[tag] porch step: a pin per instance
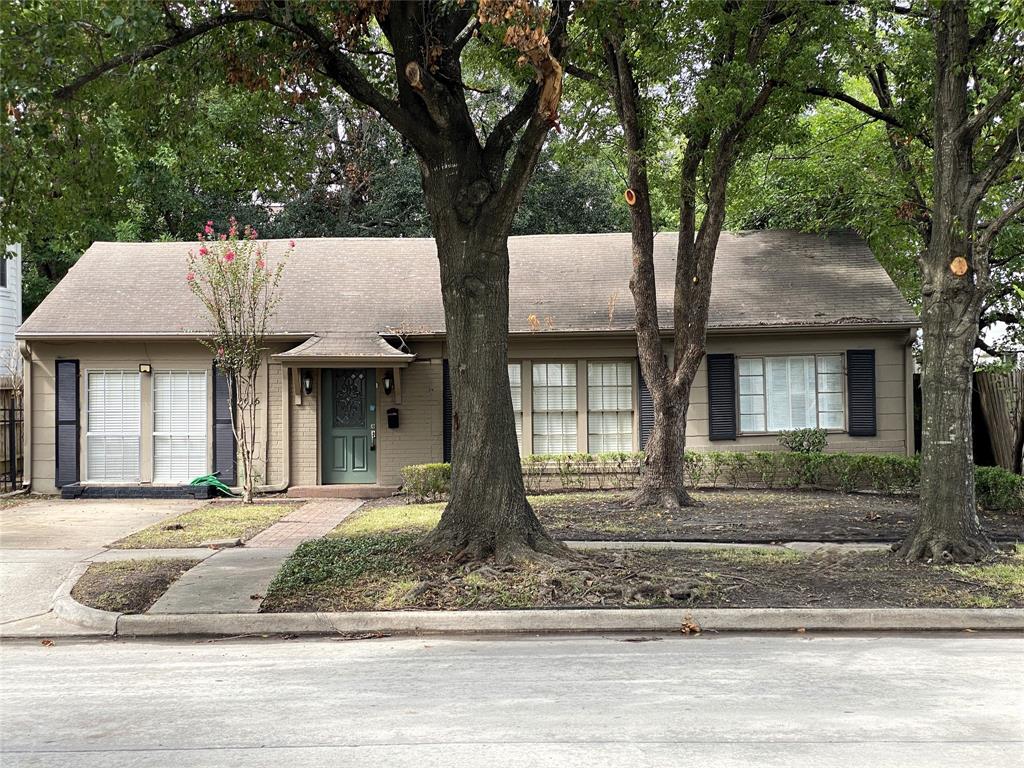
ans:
(341, 491)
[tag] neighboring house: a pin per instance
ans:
(804, 331)
(10, 317)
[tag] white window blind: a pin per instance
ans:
(796, 392)
(554, 407)
(515, 382)
(609, 407)
(113, 409)
(179, 425)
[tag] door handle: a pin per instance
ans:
(373, 438)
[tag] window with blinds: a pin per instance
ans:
(609, 406)
(179, 425)
(794, 392)
(113, 407)
(515, 382)
(554, 408)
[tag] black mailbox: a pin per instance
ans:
(392, 418)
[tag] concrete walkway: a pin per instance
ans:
(235, 580)
(42, 540)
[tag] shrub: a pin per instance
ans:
(765, 466)
(811, 440)
(693, 468)
(999, 489)
(427, 482)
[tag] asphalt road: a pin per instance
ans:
(766, 700)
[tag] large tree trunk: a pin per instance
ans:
(662, 483)
(487, 514)
(954, 278)
(947, 528)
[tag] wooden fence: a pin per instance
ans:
(1002, 401)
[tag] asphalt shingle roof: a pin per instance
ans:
(559, 283)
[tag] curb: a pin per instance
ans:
(575, 620)
(69, 609)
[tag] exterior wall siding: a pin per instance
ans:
(418, 439)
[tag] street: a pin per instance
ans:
(729, 700)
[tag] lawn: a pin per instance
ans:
(128, 586)
(219, 520)
(375, 562)
(750, 516)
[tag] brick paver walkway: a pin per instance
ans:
(310, 521)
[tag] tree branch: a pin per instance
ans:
(993, 227)
(1001, 158)
(857, 104)
(155, 49)
(981, 118)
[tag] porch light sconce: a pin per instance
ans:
(145, 368)
(307, 382)
(388, 381)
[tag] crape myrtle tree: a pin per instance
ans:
(723, 79)
(947, 81)
(409, 62)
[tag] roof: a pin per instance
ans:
(558, 284)
(363, 347)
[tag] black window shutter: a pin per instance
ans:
(646, 410)
(860, 392)
(446, 413)
(721, 397)
(67, 450)
(225, 451)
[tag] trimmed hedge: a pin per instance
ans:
(427, 482)
(888, 474)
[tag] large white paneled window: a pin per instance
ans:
(113, 409)
(796, 392)
(610, 407)
(179, 425)
(554, 407)
(515, 382)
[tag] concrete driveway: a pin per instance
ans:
(41, 540)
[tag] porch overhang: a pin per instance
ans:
(365, 349)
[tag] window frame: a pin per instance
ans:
(634, 405)
(88, 433)
(522, 404)
(764, 392)
(154, 434)
(570, 363)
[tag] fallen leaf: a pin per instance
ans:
(46, 642)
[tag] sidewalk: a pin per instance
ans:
(235, 580)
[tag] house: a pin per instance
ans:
(804, 331)
(10, 319)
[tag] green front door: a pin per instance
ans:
(349, 429)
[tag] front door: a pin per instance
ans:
(349, 429)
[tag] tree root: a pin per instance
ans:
(941, 548)
(670, 499)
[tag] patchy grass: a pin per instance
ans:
(222, 520)
(407, 518)
(128, 586)
(390, 571)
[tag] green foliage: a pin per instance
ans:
(427, 482)
(344, 560)
(999, 489)
(810, 440)
(887, 474)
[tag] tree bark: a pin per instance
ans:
(954, 283)
(487, 514)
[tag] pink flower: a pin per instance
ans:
(220, 351)
(203, 251)
(229, 256)
(190, 276)
(208, 229)
(252, 234)
(223, 236)
(233, 228)
(260, 263)
(291, 243)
